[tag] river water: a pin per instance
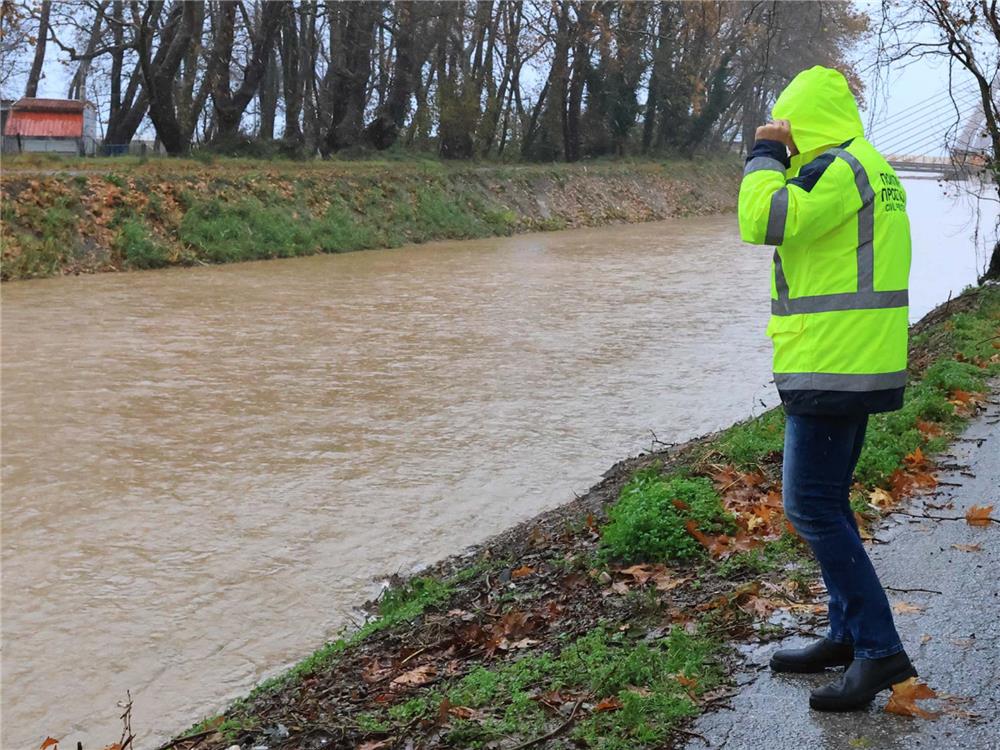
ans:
(204, 470)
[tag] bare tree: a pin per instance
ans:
(967, 34)
(230, 104)
(35, 74)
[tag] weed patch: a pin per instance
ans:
(649, 522)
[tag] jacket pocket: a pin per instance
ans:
(785, 327)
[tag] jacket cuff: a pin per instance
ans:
(772, 150)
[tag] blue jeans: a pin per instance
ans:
(820, 455)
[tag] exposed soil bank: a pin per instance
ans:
(92, 216)
(605, 623)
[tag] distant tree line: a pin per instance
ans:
(539, 80)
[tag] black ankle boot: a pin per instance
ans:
(862, 681)
(815, 657)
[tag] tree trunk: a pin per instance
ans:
(160, 70)
(352, 24)
(125, 112)
(78, 84)
(229, 105)
(551, 128)
(267, 98)
(311, 129)
(292, 79)
(574, 98)
(35, 74)
(383, 130)
(993, 269)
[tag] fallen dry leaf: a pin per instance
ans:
(608, 704)
(664, 581)
(904, 697)
(685, 681)
(641, 573)
(880, 498)
(905, 608)
(968, 547)
(463, 712)
(49, 742)
(376, 744)
(978, 515)
(929, 429)
(418, 676)
(525, 643)
(521, 572)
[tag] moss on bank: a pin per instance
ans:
(77, 218)
(545, 634)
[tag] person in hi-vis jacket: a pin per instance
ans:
(835, 212)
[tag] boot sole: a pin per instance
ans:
(821, 703)
(777, 665)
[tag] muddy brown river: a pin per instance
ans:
(204, 470)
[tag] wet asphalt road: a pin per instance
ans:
(954, 641)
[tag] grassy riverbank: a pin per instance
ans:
(84, 216)
(605, 623)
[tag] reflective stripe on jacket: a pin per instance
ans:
(837, 216)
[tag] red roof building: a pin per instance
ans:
(64, 126)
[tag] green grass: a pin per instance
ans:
(138, 248)
(894, 435)
(215, 209)
(247, 229)
(647, 524)
(602, 664)
(746, 444)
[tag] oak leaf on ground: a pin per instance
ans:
(905, 695)
(417, 676)
(608, 704)
(979, 515)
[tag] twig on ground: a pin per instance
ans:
(937, 518)
(554, 733)
(127, 735)
(689, 733)
(909, 591)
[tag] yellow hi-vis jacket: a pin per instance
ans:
(836, 213)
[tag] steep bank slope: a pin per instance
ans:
(605, 623)
(164, 213)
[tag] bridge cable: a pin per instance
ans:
(942, 122)
(940, 95)
(895, 126)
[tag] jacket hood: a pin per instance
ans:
(821, 109)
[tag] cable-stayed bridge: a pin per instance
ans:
(943, 135)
